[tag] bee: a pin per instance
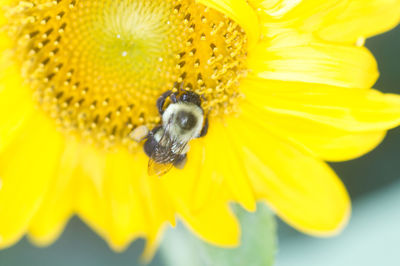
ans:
(182, 120)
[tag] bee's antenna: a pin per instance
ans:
(178, 87)
(181, 87)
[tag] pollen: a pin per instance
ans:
(97, 67)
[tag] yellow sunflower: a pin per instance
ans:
(285, 83)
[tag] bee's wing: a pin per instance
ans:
(165, 154)
(159, 169)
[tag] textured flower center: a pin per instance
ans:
(97, 67)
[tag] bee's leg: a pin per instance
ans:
(180, 161)
(139, 133)
(204, 130)
(161, 101)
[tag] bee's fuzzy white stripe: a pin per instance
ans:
(175, 131)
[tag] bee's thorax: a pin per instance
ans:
(183, 121)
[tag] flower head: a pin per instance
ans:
(285, 85)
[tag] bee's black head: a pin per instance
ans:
(191, 97)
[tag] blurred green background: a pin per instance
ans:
(371, 238)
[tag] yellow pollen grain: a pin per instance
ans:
(98, 67)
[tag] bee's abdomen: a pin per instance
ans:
(150, 145)
(151, 142)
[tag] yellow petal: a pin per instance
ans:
(3, 19)
(302, 190)
(57, 206)
(340, 145)
(344, 139)
(119, 200)
(274, 8)
(215, 224)
(305, 16)
(299, 57)
(324, 141)
(6, 2)
(209, 181)
(124, 205)
(89, 203)
(242, 13)
(27, 168)
(234, 174)
(13, 113)
(190, 188)
(137, 201)
(216, 174)
(332, 20)
(353, 110)
(361, 18)
(15, 100)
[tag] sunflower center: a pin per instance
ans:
(97, 67)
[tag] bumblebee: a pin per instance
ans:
(183, 119)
